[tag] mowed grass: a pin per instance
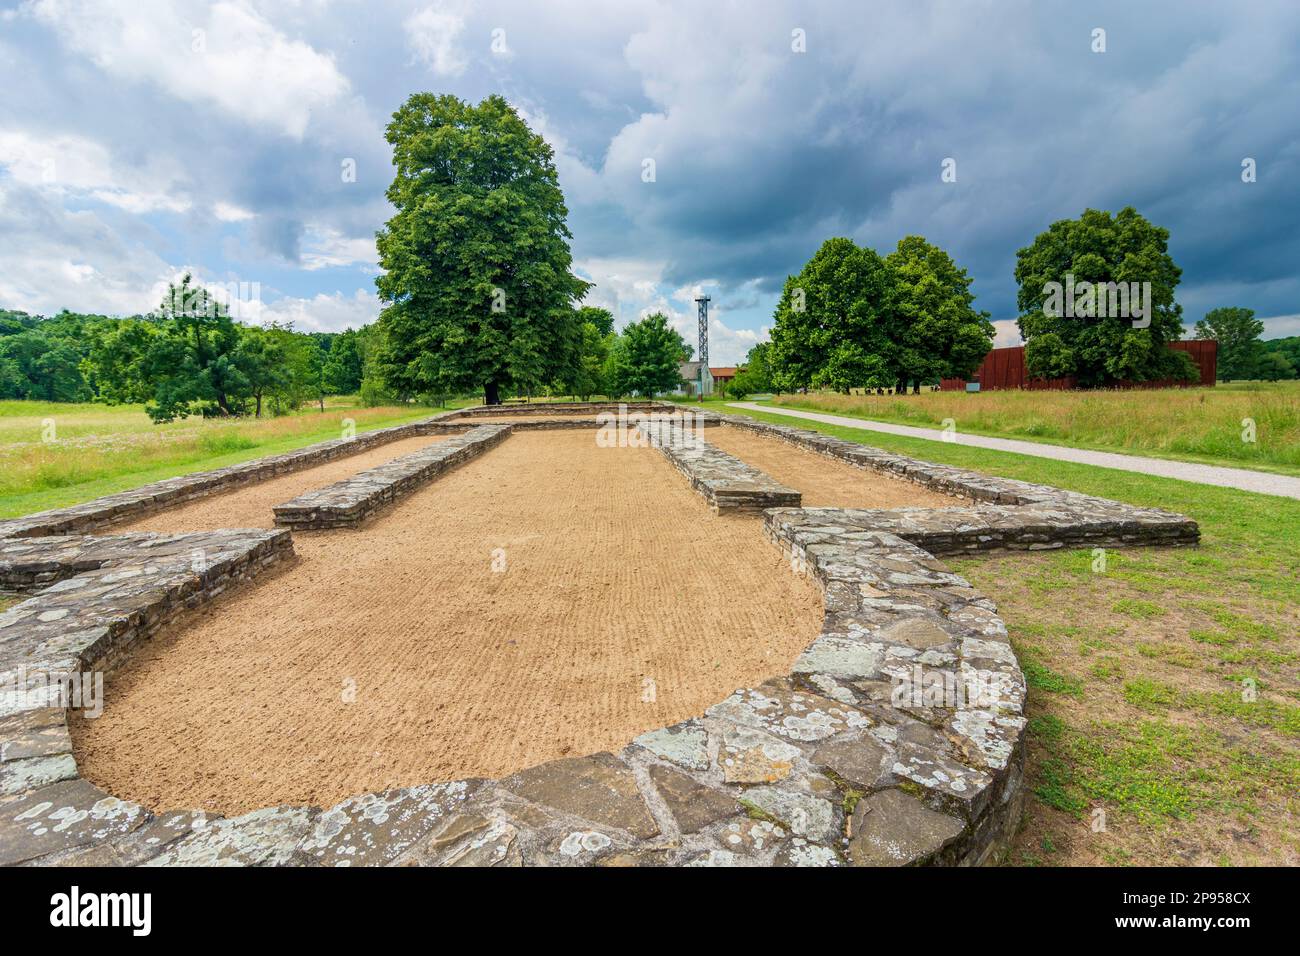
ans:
(1193, 424)
(1164, 686)
(57, 454)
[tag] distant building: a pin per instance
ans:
(1005, 368)
(721, 376)
(697, 378)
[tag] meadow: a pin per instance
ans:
(1164, 688)
(54, 454)
(1195, 424)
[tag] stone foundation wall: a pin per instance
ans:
(173, 491)
(1004, 514)
(896, 738)
(728, 484)
(111, 593)
(557, 408)
(353, 500)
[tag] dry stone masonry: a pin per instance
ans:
(351, 501)
(172, 491)
(896, 738)
(727, 483)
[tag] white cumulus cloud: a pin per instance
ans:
(433, 34)
(222, 54)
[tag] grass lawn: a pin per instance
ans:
(1164, 690)
(58, 454)
(1195, 424)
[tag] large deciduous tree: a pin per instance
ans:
(477, 274)
(1241, 354)
(1099, 249)
(935, 330)
(830, 328)
(646, 358)
(193, 361)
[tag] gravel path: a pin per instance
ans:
(1242, 479)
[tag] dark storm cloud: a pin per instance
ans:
(760, 152)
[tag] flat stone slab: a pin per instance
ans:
(65, 815)
(727, 483)
(375, 828)
(599, 788)
(351, 501)
(892, 828)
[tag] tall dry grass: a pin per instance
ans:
(48, 446)
(1201, 423)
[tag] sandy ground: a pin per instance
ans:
(395, 654)
(824, 482)
(250, 507)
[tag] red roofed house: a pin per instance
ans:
(721, 376)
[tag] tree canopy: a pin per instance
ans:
(1241, 354)
(187, 357)
(850, 319)
(1091, 339)
(754, 374)
(476, 260)
(1281, 358)
(935, 329)
(831, 322)
(646, 358)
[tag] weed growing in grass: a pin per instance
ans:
(1042, 677)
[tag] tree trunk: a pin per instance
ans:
(491, 394)
(258, 413)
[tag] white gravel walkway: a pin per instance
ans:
(1240, 478)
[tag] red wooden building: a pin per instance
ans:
(1005, 368)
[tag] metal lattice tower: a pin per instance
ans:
(703, 303)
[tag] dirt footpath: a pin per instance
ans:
(549, 598)
(250, 507)
(824, 482)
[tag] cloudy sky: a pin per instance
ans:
(141, 138)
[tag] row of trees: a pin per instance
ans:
(852, 319)
(1242, 355)
(479, 293)
(1096, 297)
(1281, 359)
(188, 357)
